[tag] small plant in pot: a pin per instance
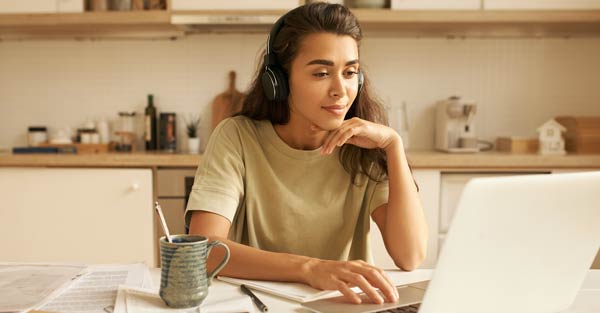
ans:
(191, 126)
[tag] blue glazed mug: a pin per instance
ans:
(184, 281)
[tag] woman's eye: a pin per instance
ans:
(351, 73)
(322, 74)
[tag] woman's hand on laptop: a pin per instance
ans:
(343, 275)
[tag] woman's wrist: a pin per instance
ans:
(394, 143)
(305, 268)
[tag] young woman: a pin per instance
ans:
(290, 184)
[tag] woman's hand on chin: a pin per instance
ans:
(363, 134)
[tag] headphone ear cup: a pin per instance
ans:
(269, 84)
(282, 88)
(275, 83)
(361, 80)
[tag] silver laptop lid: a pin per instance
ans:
(518, 244)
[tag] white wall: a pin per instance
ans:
(518, 83)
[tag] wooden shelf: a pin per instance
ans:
(386, 22)
(481, 23)
(113, 24)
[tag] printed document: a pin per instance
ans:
(25, 286)
(96, 290)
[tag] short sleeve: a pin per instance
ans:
(379, 194)
(219, 182)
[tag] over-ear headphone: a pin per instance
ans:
(274, 79)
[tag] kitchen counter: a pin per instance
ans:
(424, 159)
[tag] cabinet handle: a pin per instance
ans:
(135, 186)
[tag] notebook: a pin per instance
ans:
(303, 293)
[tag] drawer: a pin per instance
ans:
(171, 182)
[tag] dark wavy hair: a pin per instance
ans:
(320, 17)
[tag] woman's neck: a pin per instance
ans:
(301, 134)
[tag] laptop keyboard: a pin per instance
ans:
(414, 308)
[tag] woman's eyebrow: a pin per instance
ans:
(330, 63)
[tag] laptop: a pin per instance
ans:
(516, 244)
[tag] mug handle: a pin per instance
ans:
(215, 271)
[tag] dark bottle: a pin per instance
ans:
(150, 125)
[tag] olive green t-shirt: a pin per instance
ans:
(281, 199)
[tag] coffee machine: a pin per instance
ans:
(455, 130)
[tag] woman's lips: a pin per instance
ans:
(335, 109)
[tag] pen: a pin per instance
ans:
(261, 306)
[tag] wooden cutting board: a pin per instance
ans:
(226, 103)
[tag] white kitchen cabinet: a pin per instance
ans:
(28, 6)
(436, 4)
(452, 186)
(596, 264)
(429, 190)
(182, 5)
(541, 4)
(41, 6)
(76, 215)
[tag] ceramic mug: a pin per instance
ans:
(184, 281)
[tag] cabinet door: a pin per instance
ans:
(596, 264)
(436, 4)
(76, 215)
(541, 4)
(183, 5)
(429, 186)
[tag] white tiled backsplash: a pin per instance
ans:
(518, 83)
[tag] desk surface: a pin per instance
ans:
(587, 301)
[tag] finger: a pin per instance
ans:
(361, 282)
(347, 292)
(340, 136)
(378, 279)
(383, 274)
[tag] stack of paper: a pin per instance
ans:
(27, 286)
(96, 290)
(139, 300)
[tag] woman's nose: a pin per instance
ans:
(338, 87)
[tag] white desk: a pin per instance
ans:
(587, 301)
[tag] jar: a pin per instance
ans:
(37, 135)
(98, 5)
(120, 5)
(126, 122)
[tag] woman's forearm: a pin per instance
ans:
(251, 263)
(405, 232)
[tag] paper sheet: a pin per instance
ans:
(303, 293)
(26, 286)
(139, 300)
(96, 291)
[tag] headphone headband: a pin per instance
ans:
(270, 58)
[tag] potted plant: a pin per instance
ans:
(191, 126)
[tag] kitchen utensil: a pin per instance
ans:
(582, 135)
(163, 223)
(517, 145)
(227, 103)
(455, 129)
